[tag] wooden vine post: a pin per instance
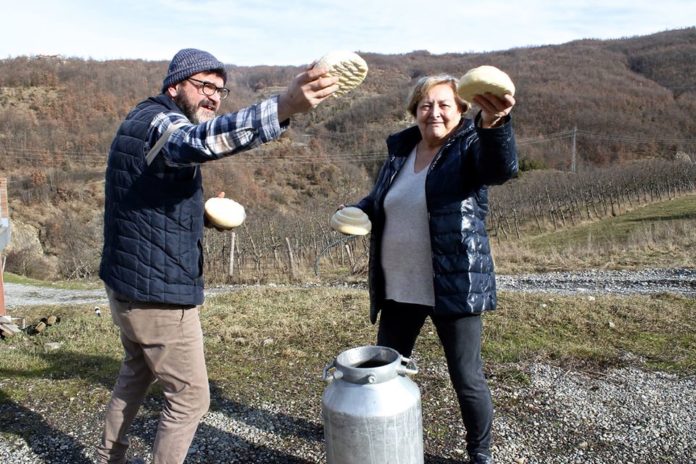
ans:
(291, 260)
(233, 240)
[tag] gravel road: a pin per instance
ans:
(17, 295)
(626, 415)
(647, 281)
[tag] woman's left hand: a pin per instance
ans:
(493, 108)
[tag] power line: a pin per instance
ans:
(614, 137)
(262, 155)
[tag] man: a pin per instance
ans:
(153, 226)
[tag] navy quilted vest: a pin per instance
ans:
(153, 218)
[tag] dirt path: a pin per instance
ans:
(17, 295)
(646, 281)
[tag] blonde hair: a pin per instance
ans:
(426, 83)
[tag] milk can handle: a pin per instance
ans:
(405, 369)
(335, 375)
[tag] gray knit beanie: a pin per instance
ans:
(188, 62)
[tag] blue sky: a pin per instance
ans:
(296, 32)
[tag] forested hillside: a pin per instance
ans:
(639, 93)
(582, 106)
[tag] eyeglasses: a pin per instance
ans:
(209, 89)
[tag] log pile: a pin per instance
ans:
(7, 327)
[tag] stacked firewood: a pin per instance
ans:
(7, 327)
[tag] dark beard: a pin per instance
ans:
(191, 111)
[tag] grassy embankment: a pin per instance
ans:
(657, 235)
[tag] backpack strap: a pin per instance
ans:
(150, 157)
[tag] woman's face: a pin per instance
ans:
(438, 114)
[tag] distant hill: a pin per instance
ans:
(628, 98)
(606, 101)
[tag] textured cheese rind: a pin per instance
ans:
(224, 213)
(484, 79)
(351, 221)
(350, 68)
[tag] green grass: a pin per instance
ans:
(596, 331)
(620, 229)
(263, 342)
(266, 349)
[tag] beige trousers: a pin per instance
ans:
(162, 343)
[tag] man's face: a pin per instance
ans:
(190, 97)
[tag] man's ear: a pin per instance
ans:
(171, 91)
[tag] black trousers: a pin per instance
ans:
(399, 326)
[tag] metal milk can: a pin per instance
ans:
(371, 409)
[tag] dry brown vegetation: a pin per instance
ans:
(631, 101)
(266, 348)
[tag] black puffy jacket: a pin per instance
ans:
(457, 200)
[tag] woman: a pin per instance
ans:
(429, 251)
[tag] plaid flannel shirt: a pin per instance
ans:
(222, 136)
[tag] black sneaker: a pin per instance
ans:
(480, 458)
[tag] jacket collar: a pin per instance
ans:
(165, 100)
(401, 143)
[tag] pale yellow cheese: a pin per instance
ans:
(350, 68)
(351, 221)
(224, 213)
(484, 79)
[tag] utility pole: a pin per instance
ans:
(573, 166)
(4, 237)
(2, 286)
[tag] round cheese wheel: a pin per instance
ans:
(484, 79)
(224, 213)
(351, 221)
(350, 68)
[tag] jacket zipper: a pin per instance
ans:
(438, 155)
